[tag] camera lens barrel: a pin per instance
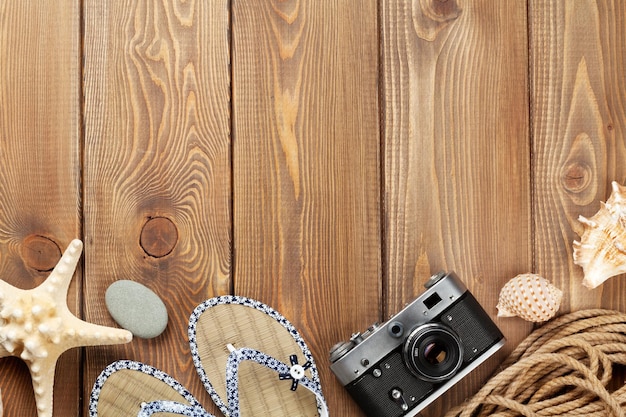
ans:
(433, 352)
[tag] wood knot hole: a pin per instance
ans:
(576, 177)
(40, 253)
(158, 237)
(432, 16)
(445, 8)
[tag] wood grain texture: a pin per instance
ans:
(456, 154)
(306, 168)
(157, 166)
(39, 170)
(578, 62)
(372, 145)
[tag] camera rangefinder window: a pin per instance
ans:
(433, 353)
(432, 301)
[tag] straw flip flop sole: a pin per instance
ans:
(222, 324)
(124, 386)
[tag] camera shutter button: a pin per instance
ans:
(435, 279)
(356, 338)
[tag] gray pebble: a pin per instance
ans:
(136, 308)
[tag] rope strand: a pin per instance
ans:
(561, 369)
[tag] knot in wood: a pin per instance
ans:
(158, 237)
(576, 177)
(40, 253)
(431, 16)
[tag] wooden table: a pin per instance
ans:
(323, 157)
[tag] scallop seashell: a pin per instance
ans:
(530, 297)
(601, 251)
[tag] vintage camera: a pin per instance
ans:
(399, 367)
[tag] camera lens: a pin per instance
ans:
(433, 352)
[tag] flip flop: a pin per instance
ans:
(128, 388)
(243, 342)
(252, 360)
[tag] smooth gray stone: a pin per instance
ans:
(136, 308)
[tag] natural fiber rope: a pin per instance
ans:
(562, 369)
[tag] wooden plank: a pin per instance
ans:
(39, 171)
(157, 166)
(578, 52)
(456, 154)
(306, 168)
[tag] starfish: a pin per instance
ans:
(37, 326)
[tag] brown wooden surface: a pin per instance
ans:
(579, 132)
(156, 166)
(306, 168)
(321, 157)
(40, 209)
(456, 153)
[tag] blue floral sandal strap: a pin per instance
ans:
(244, 322)
(115, 391)
(172, 407)
(296, 373)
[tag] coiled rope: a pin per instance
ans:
(564, 368)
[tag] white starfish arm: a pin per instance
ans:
(82, 333)
(5, 288)
(37, 326)
(59, 279)
(3, 353)
(43, 386)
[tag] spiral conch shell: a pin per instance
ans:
(530, 297)
(601, 251)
